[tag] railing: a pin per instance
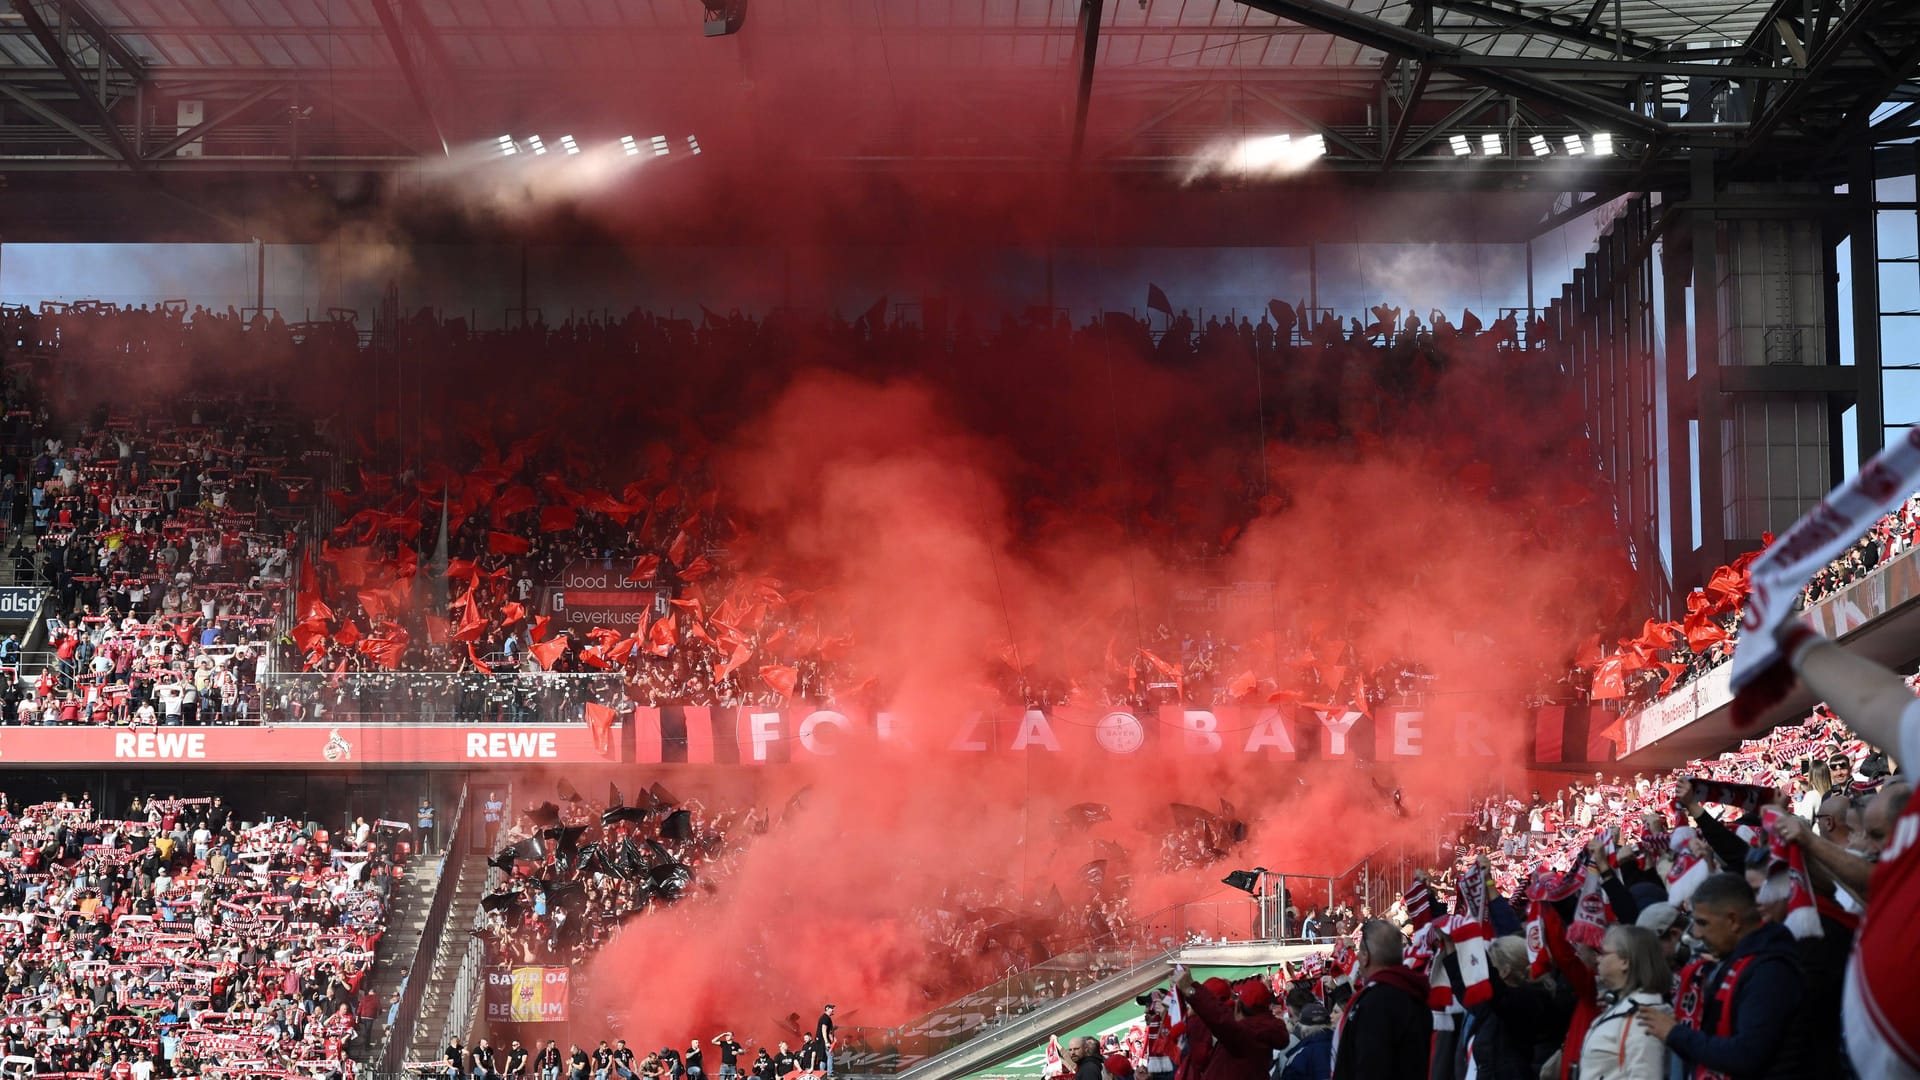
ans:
(415, 987)
(466, 991)
(888, 1050)
(436, 697)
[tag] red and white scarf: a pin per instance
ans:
(1803, 917)
(1762, 674)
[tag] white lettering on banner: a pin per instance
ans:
(1470, 735)
(1406, 732)
(1337, 730)
(886, 728)
(1202, 730)
(968, 738)
(1271, 731)
(815, 720)
(762, 728)
(159, 744)
(1035, 731)
(512, 744)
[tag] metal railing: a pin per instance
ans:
(466, 992)
(428, 697)
(1148, 940)
(415, 987)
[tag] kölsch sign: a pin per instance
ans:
(20, 603)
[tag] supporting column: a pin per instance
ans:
(1869, 412)
(1704, 232)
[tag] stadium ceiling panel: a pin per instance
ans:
(323, 85)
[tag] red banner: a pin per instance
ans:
(307, 745)
(746, 736)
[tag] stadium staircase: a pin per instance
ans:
(1017, 1034)
(442, 969)
(400, 947)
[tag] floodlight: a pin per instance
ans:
(1602, 144)
(1540, 147)
(630, 145)
(539, 147)
(1574, 145)
(507, 147)
(1461, 146)
(660, 147)
(1490, 144)
(567, 144)
(1315, 144)
(693, 144)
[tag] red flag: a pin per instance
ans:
(696, 569)
(677, 551)
(539, 627)
(472, 623)
(600, 722)
(386, 649)
(1242, 685)
(662, 638)
(309, 633)
(725, 667)
(348, 635)
(1610, 681)
(557, 518)
(781, 678)
(478, 663)
(644, 569)
(512, 613)
(438, 631)
(507, 544)
(547, 652)
(512, 501)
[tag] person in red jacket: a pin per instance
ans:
(1192, 1036)
(1246, 1033)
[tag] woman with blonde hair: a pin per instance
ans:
(1633, 974)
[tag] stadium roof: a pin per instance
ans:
(1399, 93)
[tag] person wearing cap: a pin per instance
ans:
(1246, 1033)
(823, 1031)
(1670, 926)
(1312, 1051)
(1385, 1031)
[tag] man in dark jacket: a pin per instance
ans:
(1087, 1062)
(1246, 1034)
(1313, 1051)
(1737, 1015)
(1387, 1027)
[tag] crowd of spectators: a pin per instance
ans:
(805, 1053)
(1749, 915)
(569, 875)
(175, 939)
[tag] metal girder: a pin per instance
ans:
(78, 14)
(1352, 25)
(1460, 115)
(1086, 53)
(56, 118)
(416, 82)
(1623, 70)
(1822, 53)
(1546, 23)
(216, 120)
(1327, 132)
(1400, 123)
(77, 80)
